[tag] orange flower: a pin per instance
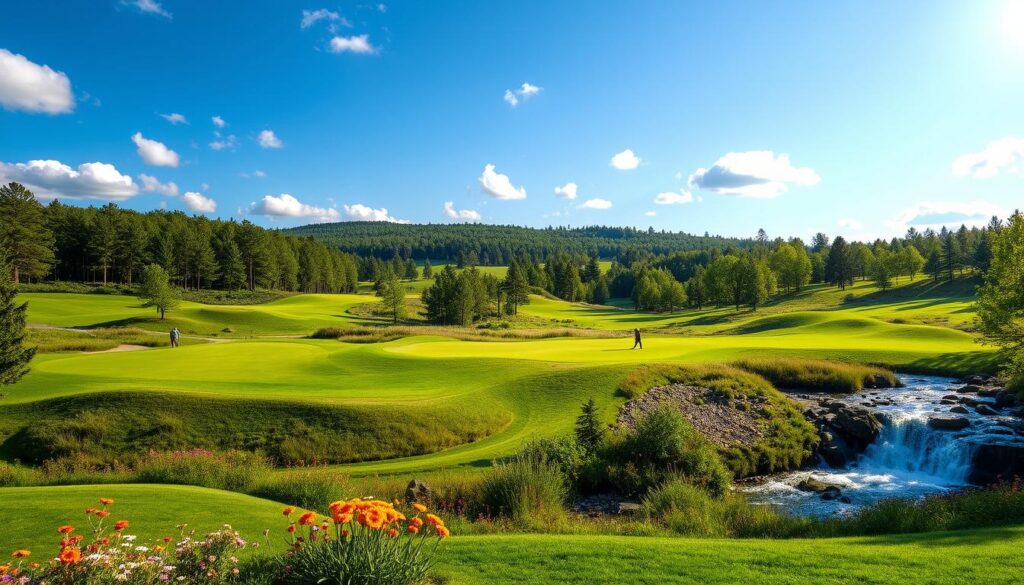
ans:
(373, 518)
(4, 569)
(66, 529)
(70, 555)
(442, 532)
(434, 520)
(106, 501)
(20, 554)
(120, 525)
(288, 511)
(419, 508)
(291, 528)
(392, 533)
(342, 518)
(416, 522)
(307, 519)
(413, 529)
(102, 513)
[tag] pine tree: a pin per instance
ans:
(14, 354)
(156, 290)
(589, 433)
(24, 233)
(428, 270)
(393, 297)
(411, 272)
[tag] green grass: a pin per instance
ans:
(818, 375)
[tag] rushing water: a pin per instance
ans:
(909, 459)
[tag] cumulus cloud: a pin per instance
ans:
(674, 198)
(199, 202)
(460, 214)
(359, 44)
(284, 205)
(1003, 154)
(222, 143)
(755, 173)
(566, 191)
(939, 214)
(498, 185)
(626, 160)
(311, 17)
(218, 121)
(360, 212)
(29, 87)
(268, 139)
(148, 6)
(50, 178)
(596, 203)
(151, 184)
(154, 153)
(524, 92)
(175, 118)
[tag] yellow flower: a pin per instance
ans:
(419, 508)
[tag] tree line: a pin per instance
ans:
(113, 245)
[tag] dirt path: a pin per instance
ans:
(122, 347)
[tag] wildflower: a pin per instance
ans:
(413, 529)
(291, 528)
(419, 508)
(342, 518)
(20, 554)
(70, 555)
(434, 520)
(417, 522)
(288, 511)
(442, 532)
(120, 525)
(307, 519)
(102, 513)
(392, 533)
(106, 501)
(66, 529)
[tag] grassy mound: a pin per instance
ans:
(99, 339)
(787, 441)
(819, 375)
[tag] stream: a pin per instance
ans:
(909, 459)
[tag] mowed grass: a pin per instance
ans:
(295, 315)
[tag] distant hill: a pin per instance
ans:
(497, 244)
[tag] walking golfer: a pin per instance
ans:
(637, 342)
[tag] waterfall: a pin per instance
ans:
(907, 445)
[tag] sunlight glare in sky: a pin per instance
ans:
(1012, 23)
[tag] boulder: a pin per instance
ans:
(951, 397)
(948, 423)
(1005, 398)
(417, 491)
(815, 485)
(629, 508)
(857, 426)
(959, 409)
(831, 493)
(986, 410)
(970, 389)
(996, 462)
(989, 392)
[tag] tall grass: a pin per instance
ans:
(384, 334)
(99, 339)
(819, 375)
(524, 489)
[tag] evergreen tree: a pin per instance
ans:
(393, 298)
(232, 267)
(589, 431)
(428, 270)
(24, 233)
(515, 288)
(696, 290)
(1001, 298)
(599, 295)
(14, 354)
(156, 290)
(593, 270)
(934, 265)
(103, 237)
(951, 253)
(838, 267)
(411, 272)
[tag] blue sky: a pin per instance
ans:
(854, 118)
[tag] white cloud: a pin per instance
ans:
(939, 214)
(268, 139)
(596, 203)
(524, 92)
(625, 160)
(284, 205)
(755, 173)
(151, 184)
(650, 213)
(51, 178)
(257, 174)
(460, 214)
(220, 143)
(566, 191)
(311, 17)
(199, 202)
(148, 6)
(359, 44)
(674, 198)
(498, 185)
(851, 224)
(218, 121)
(154, 153)
(175, 118)
(360, 212)
(1003, 154)
(33, 88)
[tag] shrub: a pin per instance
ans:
(370, 543)
(664, 445)
(313, 489)
(17, 476)
(235, 471)
(524, 489)
(819, 375)
(108, 555)
(565, 452)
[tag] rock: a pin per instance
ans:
(227, 330)
(857, 426)
(834, 455)
(628, 508)
(986, 410)
(974, 380)
(995, 462)
(951, 397)
(417, 491)
(989, 392)
(970, 401)
(815, 485)
(845, 499)
(1005, 398)
(947, 401)
(831, 493)
(959, 410)
(948, 423)
(970, 389)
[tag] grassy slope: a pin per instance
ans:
(31, 516)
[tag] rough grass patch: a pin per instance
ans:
(819, 375)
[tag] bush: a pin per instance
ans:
(565, 452)
(235, 471)
(819, 375)
(524, 489)
(371, 543)
(664, 445)
(17, 476)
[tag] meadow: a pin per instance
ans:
(442, 406)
